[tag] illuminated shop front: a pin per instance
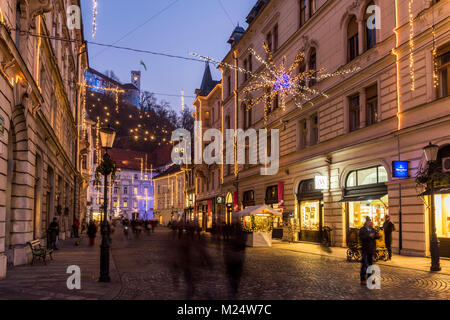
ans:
(365, 195)
(310, 211)
(274, 198)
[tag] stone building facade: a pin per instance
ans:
(40, 119)
(388, 110)
(170, 194)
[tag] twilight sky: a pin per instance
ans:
(200, 26)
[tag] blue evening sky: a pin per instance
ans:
(200, 26)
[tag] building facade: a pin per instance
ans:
(170, 195)
(40, 117)
(385, 111)
(131, 194)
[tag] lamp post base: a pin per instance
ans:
(104, 256)
(434, 250)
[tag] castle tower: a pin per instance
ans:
(136, 79)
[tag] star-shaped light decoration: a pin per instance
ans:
(278, 82)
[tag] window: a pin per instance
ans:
(229, 85)
(116, 190)
(269, 40)
(84, 162)
(213, 181)
(303, 134)
(250, 63)
(135, 204)
(136, 177)
(136, 190)
(444, 72)
(371, 105)
(314, 129)
(371, 33)
(245, 68)
(247, 116)
(302, 12)
(275, 38)
(271, 195)
(125, 203)
(354, 113)
(367, 176)
(302, 69)
(312, 7)
(352, 39)
(313, 65)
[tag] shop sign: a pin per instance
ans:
(321, 182)
(400, 169)
(220, 200)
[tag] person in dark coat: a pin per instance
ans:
(388, 228)
(92, 232)
(53, 232)
(75, 227)
(367, 235)
(234, 256)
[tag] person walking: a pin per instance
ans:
(92, 232)
(75, 227)
(367, 235)
(388, 227)
(83, 226)
(53, 232)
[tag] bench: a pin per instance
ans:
(39, 252)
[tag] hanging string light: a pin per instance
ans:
(411, 45)
(278, 81)
(94, 18)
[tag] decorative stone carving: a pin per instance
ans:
(36, 8)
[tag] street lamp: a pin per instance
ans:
(431, 151)
(107, 136)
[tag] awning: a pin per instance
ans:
(260, 210)
(363, 197)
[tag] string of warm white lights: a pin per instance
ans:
(94, 18)
(411, 45)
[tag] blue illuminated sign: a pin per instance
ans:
(400, 169)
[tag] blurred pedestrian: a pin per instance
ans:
(53, 232)
(92, 232)
(388, 228)
(234, 256)
(368, 237)
(75, 227)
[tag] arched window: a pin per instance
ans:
(362, 177)
(312, 65)
(371, 32)
(352, 39)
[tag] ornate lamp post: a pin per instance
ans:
(430, 152)
(107, 136)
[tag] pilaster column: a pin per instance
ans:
(361, 36)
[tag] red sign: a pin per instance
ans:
(209, 208)
(281, 194)
(236, 201)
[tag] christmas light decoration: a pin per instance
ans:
(279, 82)
(94, 18)
(411, 45)
(435, 61)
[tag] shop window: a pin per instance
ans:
(302, 12)
(362, 177)
(442, 212)
(444, 72)
(371, 105)
(310, 219)
(375, 209)
(371, 33)
(352, 39)
(354, 113)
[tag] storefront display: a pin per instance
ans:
(310, 219)
(376, 210)
(442, 209)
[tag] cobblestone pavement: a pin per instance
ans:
(157, 267)
(148, 270)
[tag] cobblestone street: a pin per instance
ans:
(155, 267)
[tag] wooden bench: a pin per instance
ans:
(39, 252)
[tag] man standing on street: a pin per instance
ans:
(53, 231)
(388, 227)
(367, 235)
